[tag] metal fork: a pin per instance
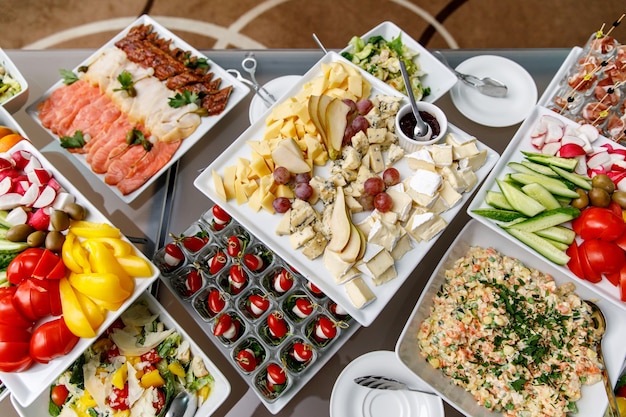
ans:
(385, 383)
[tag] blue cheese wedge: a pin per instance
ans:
(359, 293)
(284, 225)
(394, 154)
(302, 214)
(301, 236)
(315, 247)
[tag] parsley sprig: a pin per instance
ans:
(73, 142)
(68, 76)
(127, 84)
(184, 98)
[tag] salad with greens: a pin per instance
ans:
(135, 369)
(381, 58)
(8, 85)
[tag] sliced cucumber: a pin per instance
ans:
(541, 245)
(497, 200)
(520, 201)
(6, 246)
(578, 180)
(500, 214)
(3, 219)
(558, 233)
(559, 245)
(554, 185)
(565, 163)
(540, 168)
(548, 219)
(541, 194)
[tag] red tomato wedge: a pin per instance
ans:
(603, 257)
(590, 274)
(51, 340)
(574, 260)
(599, 223)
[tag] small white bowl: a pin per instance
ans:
(14, 103)
(408, 143)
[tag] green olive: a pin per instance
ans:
(619, 197)
(75, 211)
(599, 197)
(36, 239)
(582, 201)
(19, 232)
(603, 181)
(54, 241)
(59, 220)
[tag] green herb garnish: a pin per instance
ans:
(180, 100)
(68, 76)
(127, 84)
(73, 142)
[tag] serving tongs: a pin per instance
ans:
(386, 383)
(249, 65)
(487, 85)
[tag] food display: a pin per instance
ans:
(136, 105)
(137, 367)
(489, 327)
(275, 327)
(63, 276)
(376, 52)
(9, 87)
(511, 294)
(349, 200)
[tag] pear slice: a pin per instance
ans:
(340, 223)
(289, 155)
(321, 117)
(353, 248)
(336, 123)
(313, 105)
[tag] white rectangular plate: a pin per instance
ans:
(263, 224)
(594, 399)
(438, 77)
(239, 91)
(219, 393)
(26, 386)
(521, 142)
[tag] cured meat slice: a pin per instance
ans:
(147, 166)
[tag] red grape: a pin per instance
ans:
(282, 175)
(360, 123)
(383, 202)
(303, 191)
(350, 104)
(374, 185)
(303, 177)
(364, 106)
(367, 202)
(391, 176)
(281, 204)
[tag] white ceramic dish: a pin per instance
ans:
(548, 94)
(7, 120)
(263, 224)
(239, 91)
(492, 111)
(219, 393)
(521, 142)
(593, 401)
(438, 77)
(277, 87)
(348, 399)
(26, 386)
(16, 102)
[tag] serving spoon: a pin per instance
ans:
(599, 323)
(422, 130)
(183, 405)
(487, 86)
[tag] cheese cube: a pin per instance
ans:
(386, 276)
(421, 159)
(402, 247)
(442, 154)
(379, 263)
(359, 293)
(301, 236)
(425, 182)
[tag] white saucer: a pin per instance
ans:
(278, 87)
(491, 111)
(351, 400)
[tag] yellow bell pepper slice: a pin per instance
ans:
(152, 379)
(102, 260)
(120, 376)
(73, 314)
(176, 368)
(87, 229)
(67, 253)
(120, 247)
(103, 286)
(94, 313)
(107, 305)
(135, 266)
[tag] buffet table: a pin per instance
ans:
(172, 203)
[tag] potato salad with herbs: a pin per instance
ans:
(507, 334)
(135, 369)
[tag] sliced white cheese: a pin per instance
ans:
(425, 182)
(421, 159)
(402, 247)
(379, 263)
(386, 276)
(359, 293)
(283, 228)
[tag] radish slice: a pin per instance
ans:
(6, 185)
(9, 201)
(571, 150)
(62, 199)
(21, 158)
(40, 219)
(31, 194)
(17, 216)
(551, 148)
(45, 198)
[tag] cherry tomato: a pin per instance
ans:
(276, 377)
(216, 302)
(151, 356)
(194, 281)
(159, 402)
(118, 399)
(301, 352)
(196, 242)
(234, 246)
(325, 329)
(247, 360)
(217, 262)
(277, 325)
(253, 262)
(220, 216)
(173, 255)
(237, 279)
(227, 327)
(257, 304)
(283, 281)
(58, 394)
(304, 307)
(51, 340)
